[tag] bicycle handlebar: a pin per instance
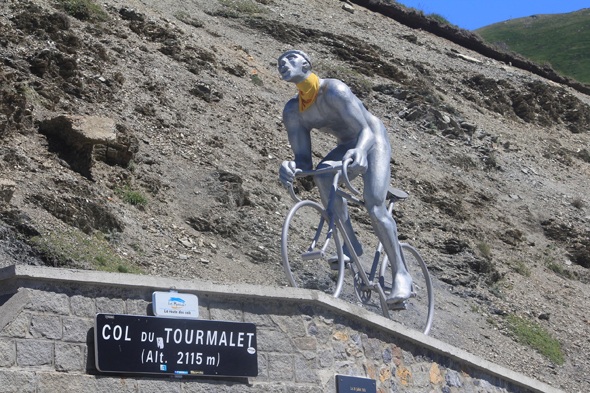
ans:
(343, 169)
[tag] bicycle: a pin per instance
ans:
(300, 270)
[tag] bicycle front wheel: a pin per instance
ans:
(419, 310)
(307, 242)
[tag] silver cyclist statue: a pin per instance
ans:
(329, 105)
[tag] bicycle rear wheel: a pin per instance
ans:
(304, 250)
(419, 310)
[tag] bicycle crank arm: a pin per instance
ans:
(311, 255)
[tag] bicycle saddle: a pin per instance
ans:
(394, 193)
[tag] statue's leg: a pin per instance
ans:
(324, 183)
(376, 181)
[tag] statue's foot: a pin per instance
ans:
(402, 288)
(333, 261)
(358, 249)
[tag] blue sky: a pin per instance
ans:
(473, 14)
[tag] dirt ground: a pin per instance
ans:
(495, 159)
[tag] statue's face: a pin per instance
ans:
(292, 67)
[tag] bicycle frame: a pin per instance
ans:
(365, 282)
(340, 171)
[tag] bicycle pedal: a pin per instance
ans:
(398, 306)
(311, 255)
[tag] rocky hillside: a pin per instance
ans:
(146, 136)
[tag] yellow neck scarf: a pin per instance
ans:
(308, 91)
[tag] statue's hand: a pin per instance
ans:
(287, 173)
(359, 163)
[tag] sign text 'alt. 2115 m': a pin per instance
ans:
(138, 344)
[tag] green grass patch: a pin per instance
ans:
(484, 249)
(132, 197)
(533, 335)
(73, 248)
(85, 10)
(563, 272)
(521, 268)
(440, 19)
(256, 80)
(562, 40)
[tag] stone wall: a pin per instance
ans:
(304, 339)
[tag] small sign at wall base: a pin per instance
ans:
(175, 305)
(346, 384)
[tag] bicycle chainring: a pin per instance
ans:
(363, 295)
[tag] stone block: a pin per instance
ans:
(387, 355)
(266, 388)
(280, 368)
(220, 311)
(326, 358)
(17, 382)
(385, 374)
(13, 307)
(304, 389)
(293, 325)
(347, 367)
(156, 386)
(421, 375)
(52, 382)
(305, 370)
(305, 343)
(483, 384)
(435, 374)
(408, 358)
(7, 353)
(19, 327)
(119, 385)
(262, 367)
(453, 379)
(321, 331)
(69, 357)
(258, 315)
(396, 355)
(34, 353)
(370, 370)
(46, 326)
(60, 382)
(273, 341)
(372, 348)
(76, 329)
(204, 311)
(82, 306)
(50, 302)
(106, 305)
(339, 350)
(139, 307)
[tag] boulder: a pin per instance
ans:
(78, 131)
(6, 190)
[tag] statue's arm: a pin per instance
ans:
(299, 135)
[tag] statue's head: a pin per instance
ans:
(294, 66)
